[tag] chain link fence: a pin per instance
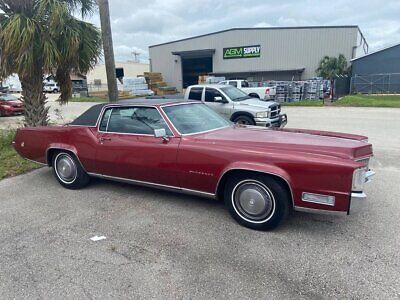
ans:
(376, 84)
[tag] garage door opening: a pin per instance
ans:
(195, 63)
(192, 68)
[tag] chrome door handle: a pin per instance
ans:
(102, 139)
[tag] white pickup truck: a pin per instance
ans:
(237, 106)
(263, 93)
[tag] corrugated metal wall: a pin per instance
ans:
(281, 49)
(378, 72)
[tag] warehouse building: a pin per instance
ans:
(377, 72)
(256, 54)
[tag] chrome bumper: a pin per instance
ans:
(356, 198)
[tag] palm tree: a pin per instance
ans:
(40, 37)
(330, 67)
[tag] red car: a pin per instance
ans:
(260, 173)
(10, 105)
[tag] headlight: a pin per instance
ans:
(263, 114)
(7, 106)
(358, 180)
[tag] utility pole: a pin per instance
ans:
(136, 55)
(108, 50)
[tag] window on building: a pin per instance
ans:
(195, 93)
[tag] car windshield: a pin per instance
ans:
(49, 84)
(234, 93)
(8, 98)
(194, 118)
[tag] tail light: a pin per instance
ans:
(267, 91)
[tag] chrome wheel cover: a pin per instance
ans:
(65, 168)
(253, 201)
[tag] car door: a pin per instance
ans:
(128, 149)
(224, 109)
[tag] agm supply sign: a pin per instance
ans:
(242, 52)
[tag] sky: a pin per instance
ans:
(139, 24)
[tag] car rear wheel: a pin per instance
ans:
(69, 171)
(257, 201)
(244, 120)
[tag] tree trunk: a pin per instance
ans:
(63, 78)
(108, 50)
(36, 112)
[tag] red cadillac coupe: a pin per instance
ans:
(260, 173)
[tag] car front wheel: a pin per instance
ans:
(257, 201)
(69, 171)
(244, 120)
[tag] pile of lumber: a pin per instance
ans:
(158, 85)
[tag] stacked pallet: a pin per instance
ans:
(158, 85)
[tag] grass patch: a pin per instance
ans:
(369, 101)
(11, 163)
(304, 103)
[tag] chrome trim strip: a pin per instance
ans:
(363, 158)
(69, 150)
(155, 185)
(320, 211)
(361, 195)
(318, 202)
(368, 175)
(242, 169)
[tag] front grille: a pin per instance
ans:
(275, 111)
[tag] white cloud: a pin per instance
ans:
(139, 24)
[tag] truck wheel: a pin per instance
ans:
(244, 120)
(69, 171)
(55, 91)
(254, 95)
(257, 201)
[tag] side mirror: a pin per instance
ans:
(219, 100)
(161, 133)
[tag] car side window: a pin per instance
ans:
(211, 94)
(233, 83)
(195, 93)
(104, 120)
(135, 120)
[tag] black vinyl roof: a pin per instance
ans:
(90, 116)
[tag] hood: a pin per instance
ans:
(255, 104)
(261, 139)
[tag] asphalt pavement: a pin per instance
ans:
(166, 245)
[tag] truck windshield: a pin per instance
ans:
(235, 94)
(194, 118)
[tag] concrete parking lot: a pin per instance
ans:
(57, 113)
(166, 245)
